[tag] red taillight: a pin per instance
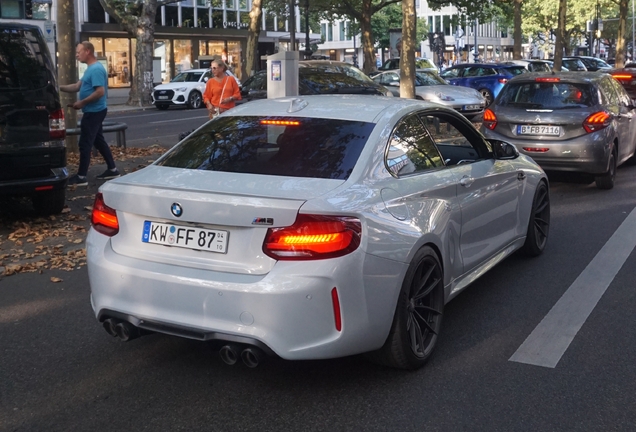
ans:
(536, 149)
(597, 121)
(503, 80)
(623, 76)
(313, 237)
(104, 218)
(490, 119)
(336, 308)
(547, 79)
(57, 125)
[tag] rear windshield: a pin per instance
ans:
(24, 60)
(321, 82)
(296, 147)
(515, 70)
(552, 95)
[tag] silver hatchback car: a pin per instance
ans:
(567, 121)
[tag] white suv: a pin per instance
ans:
(186, 88)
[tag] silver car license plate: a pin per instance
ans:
(538, 130)
(184, 236)
(471, 107)
(162, 97)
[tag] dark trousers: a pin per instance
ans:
(92, 135)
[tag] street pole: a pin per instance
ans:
(307, 48)
(292, 25)
(476, 53)
(633, 30)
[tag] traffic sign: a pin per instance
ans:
(49, 31)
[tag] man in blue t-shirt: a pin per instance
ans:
(93, 93)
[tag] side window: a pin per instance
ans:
(457, 142)
(450, 73)
(608, 92)
(623, 97)
(487, 72)
(471, 71)
(411, 149)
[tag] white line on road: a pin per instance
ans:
(550, 339)
(175, 120)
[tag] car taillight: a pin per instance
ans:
(503, 80)
(597, 121)
(104, 218)
(536, 149)
(623, 76)
(490, 119)
(57, 125)
(548, 79)
(313, 237)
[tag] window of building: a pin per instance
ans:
(40, 11)
(323, 31)
(349, 32)
(269, 21)
(12, 9)
(217, 18)
(203, 17)
(98, 43)
(341, 26)
(163, 51)
(172, 16)
(438, 23)
(214, 3)
(158, 16)
(448, 28)
(231, 17)
(280, 24)
(96, 13)
(329, 32)
(431, 27)
(187, 17)
(243, 5)
(230, 4)
(245, 20)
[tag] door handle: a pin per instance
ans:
(466, 181)
(521, 175)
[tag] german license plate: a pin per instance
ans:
(471, 107)
(162, 97)
(186, 237)
(538, 130)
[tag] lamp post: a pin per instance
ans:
(292, 25)
(476, 53)
(307, 48)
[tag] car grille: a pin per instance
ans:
(163, 94)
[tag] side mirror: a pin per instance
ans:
(503, 150)
(205, 79)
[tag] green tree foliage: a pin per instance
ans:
(390, 18)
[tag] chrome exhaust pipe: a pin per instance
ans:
(229, 354)
(109, 325)
(252, 356)
(126, 331)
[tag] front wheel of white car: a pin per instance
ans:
(418, 315)
(194, 100)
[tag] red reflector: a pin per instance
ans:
(280, 122)
(536, 149)
(547, 79)
(336, 308)
(597, 121)
(57, 125)
(104, 218)
(41, 188)
(313, 237)
(489, 119)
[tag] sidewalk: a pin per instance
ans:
(117, 98)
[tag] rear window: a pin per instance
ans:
(321, 82)
(24, 60)
(515, 70)
(552, 95)
(296, 147)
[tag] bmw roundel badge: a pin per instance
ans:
(176, 209)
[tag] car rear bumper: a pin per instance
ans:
(27, 186)
(290, 309)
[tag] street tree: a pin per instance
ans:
(137, 17)
(407, 59)
(252, 36)
(66, 64)
(390, 18)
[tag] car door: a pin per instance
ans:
(488, 190)
(621, 115)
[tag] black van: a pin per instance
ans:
(32, 129)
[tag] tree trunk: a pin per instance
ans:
(67, 66)
(407, 59)
(367, 37)
(252, 37)
(516, 49)
(622, 33)
(560, 35)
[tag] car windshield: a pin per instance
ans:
(282, 146)
(423, 78)
(546, 95)
(187, 77)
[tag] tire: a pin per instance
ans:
(49, 202)
(539, 223)
(194, 100)
(418, 315)
(607, 180)
(487, 94)
(162, 107)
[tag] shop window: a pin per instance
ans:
(203, 17)
(172, 16)
(162, 50)
(118, 60)
(98, 44)
(187, 16)
(202, 48)
(182, 55)
(12, 9)
(234, 57)
(217, 18)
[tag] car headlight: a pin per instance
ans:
(442, 96)
(181, 89)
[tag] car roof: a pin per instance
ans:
(345, 107)
(487, 65)
(570, 77)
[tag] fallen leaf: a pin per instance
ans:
(55, 279)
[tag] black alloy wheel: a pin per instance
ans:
(418, 316)
(607, 180)
(539, 223)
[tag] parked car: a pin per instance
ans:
(185, 89)
(394, 63)
(430, 87)
(319, 77)
(317, 227)
(487, 78)
(567, 121)
(32, 127)
(574, 64)
(627, 77)
(593, 64)
(536, 65)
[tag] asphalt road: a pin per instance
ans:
(60, 371)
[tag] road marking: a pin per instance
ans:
(175, 120)
(548, 341)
